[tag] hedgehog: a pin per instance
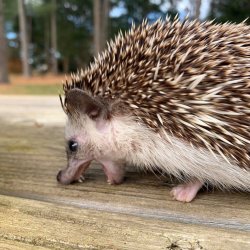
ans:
(169, 96)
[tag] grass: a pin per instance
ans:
(35, 85)
(31, 89)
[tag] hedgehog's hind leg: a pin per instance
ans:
(186, 192)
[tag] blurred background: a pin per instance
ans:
(41, 40)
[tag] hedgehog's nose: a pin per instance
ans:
(59, 176)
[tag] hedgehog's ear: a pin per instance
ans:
(80, 102)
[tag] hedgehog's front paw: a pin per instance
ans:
(186, 192)
(81, 179)
(114, 172)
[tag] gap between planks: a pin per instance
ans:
(164, 215)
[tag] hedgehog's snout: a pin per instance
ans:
(73, 172)
(58, 177)
(63, 179)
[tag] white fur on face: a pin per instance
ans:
(123, 139)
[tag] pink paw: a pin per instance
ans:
(114, 173)
(186, 192)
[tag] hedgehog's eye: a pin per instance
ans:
(73, 145)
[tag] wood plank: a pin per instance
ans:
(31, 109)
(16, 244)
(32, 155)
(139, 214)
(47, 225)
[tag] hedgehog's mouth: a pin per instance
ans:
(73, 172)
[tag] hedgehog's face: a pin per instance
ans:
(88, 135)
(78, 150)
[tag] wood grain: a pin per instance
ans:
(49, 225)
(139, 214)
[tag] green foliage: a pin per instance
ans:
(32, 89)
(74, 27)
(75, 24)
(230, 10)
(133, 11)
(10, 10)
(75, 31)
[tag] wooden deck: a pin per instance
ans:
(35, 211)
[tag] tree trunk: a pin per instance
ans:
(3, 48)
(54, 66)
(104, 22)
(196, 6)
(24, 39)
(47, 41)
(97, 26)
(197, 9)
(66, 65)
(101, 14)
(213, 13)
